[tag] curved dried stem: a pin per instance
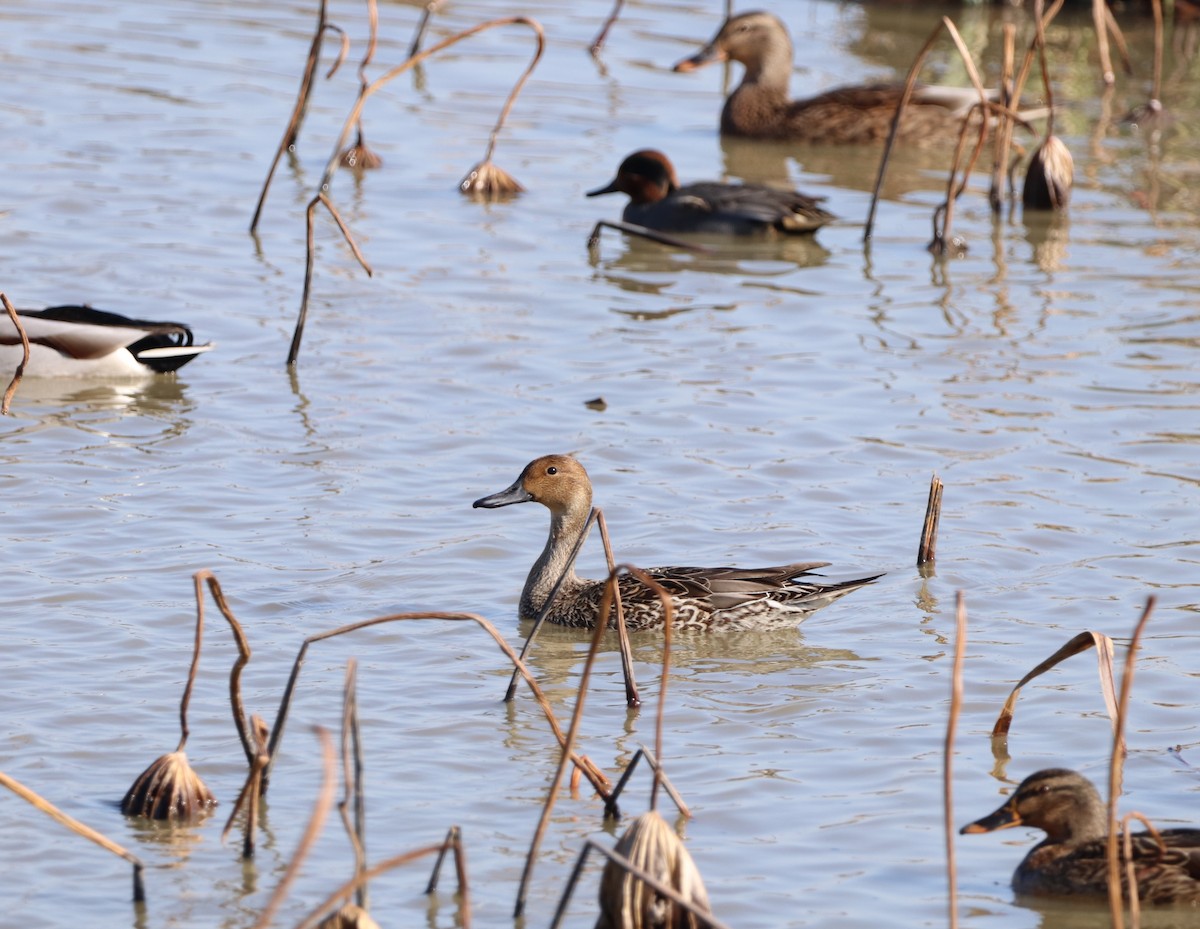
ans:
(956, 696)
(598, 42)
(315, 823)
(370, 874)
(590, 771)
(909, 83)
(606, 603)
(352, 772)
(358, 155)
(249, 797)
(191, 678)
(654, 236)
(301, 105)
(631, 692)
(540, 619)
(419, 35)
(243, 647)
(20, 372)
(41, 803)
(1135, 911)
(1116, 764)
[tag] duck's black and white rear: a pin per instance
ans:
(79, 341)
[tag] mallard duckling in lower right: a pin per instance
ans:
(658, 202)
(1071, 860)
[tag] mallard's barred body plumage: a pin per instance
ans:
(760, 106)
(1071, 860)
(702, 598)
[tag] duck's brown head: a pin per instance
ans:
(1062, 803)
(647, 176)
(749, 38)
(558, 482)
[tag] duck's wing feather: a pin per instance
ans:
(756, 204)
(85, 333)
(730, 588)
(1166, 873)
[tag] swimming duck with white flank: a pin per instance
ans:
(79, 341)
(656, 201)
(1071, 860)
(760, 107)
(702, 598)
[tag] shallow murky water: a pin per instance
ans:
(763, 405)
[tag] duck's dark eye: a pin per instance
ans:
(552, 470)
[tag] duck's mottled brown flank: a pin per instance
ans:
(1071, 860)
(760, 106)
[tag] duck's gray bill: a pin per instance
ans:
(514, 494)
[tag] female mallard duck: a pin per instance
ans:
(656, 201)
(703, 598)
(78, 341)
(760, 107)
(1071, 860)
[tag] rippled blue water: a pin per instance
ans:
(763, 405)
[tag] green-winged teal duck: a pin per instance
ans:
(657, 202)
(760, 107)
(79, 341)
(1071, 861)
(703, 598)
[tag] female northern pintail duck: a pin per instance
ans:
(760, 108)
(1071, 860)
(657, 202)
(703, 598)
(78, 341)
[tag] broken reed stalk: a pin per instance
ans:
(927, 549)
(1098, 21)
(606, 602)
(540, 619)
(956, 697)
(426, 15)
(631, 692)
(1156, 90)
(11, 390)
(633, 229)
(598, 42)
(668, 625)
(352, 120)
(370, 874)
(454, 843)
(1116, 762)
(702, 916)
(40, 803)
(301, 105)
(315, 823)
(248, 798)
(597, 779)
(1051, 171)
(352, 779)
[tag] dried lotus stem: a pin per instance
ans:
(29, 796)
(315, 823)
(1116, 765)
(301, 105)
(250, 795)
(594, 775)
(169, 788)
(358, 156)
(352, 779)
(956, 696)
(598, 42)
(20, 372)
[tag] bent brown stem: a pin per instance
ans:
(248, 798)
(41, 803)
(590, 771)
(352, 785)
(1116, 764)
(598, 42)
(606, 602)
(632, 229)
(956, 696)
(243, 647)
(631, 692)
(316, 822)
(11, 390)
(301, 105)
